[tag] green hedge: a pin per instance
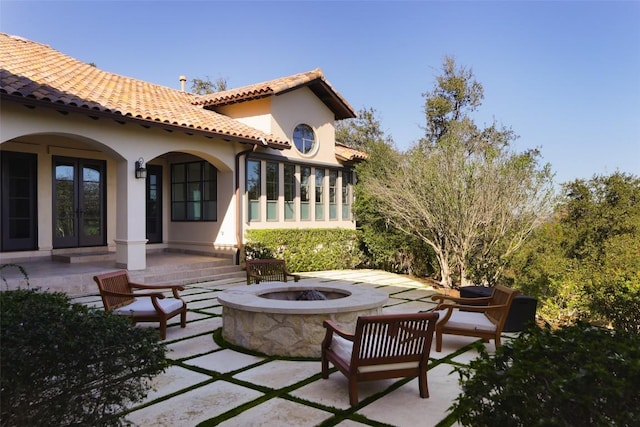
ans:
(307, 249)
(63, 364)
(578, 376)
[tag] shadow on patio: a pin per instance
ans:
(211, 383)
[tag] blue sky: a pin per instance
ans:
(564, 75)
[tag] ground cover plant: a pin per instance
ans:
(66, 364)
(579, 375)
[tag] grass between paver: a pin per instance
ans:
(206, 291)
(339, 415)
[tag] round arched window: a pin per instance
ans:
(304, 138)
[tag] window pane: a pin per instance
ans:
(319, 185)
(319, 194)
(178, 173)
(304, 138)
(254, 210)
(333, 179)
(210, 172)
(210, 211)
(177, 192)
(194, 210)
(304, 211)
(193, 191)
(19, 228)
(194, 171)
(253, 179)
(178, 211)
(305, 176)
(289, 183)
(272, 181)
(346, 194)
(272, 211)
(289, 210)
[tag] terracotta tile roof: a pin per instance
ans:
(345, 153)
(314, 79)
(32, 71)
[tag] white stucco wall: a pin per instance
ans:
(48, 133)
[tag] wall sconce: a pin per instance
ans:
(141, 171)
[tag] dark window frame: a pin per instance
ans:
(198, 193)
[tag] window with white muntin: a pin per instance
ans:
(304, 139)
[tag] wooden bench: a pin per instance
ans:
(382, 346)
(268, 270)
(483, 317)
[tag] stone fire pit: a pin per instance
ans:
(270, 319)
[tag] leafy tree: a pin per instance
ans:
(384, 245)
(461, 189)
(363, 132)
(585, 263)
(206, 86)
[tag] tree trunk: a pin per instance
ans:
(445, 271)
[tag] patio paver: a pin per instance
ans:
(223, 386)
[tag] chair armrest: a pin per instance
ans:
(257, 277)
(461, 300)
(295, 276)
(156, 287)
(134, 294)
(174, 288)
(332, 327)
(478, 308)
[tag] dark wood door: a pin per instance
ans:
(78, 202)
(19, 201)
(154, 203)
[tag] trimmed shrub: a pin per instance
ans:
(579, 375)
(64, 364)
(307, 249)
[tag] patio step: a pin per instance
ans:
(73, 258)
(189, 273)
(76, 278)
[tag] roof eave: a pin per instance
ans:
(341, 109)
(119, 118)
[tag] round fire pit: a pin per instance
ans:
(275, 318)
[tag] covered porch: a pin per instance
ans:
(73, 273)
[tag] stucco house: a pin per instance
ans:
(92, 159)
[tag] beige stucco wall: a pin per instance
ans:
(279, 115)
(48, 133)
(302, 106)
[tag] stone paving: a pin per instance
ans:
(211, 383)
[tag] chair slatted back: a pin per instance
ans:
(269, 270)
(393, 338)
(501, 296)
(117, 281)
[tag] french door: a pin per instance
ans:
(18, 201)
(78, 202)
(154, 203)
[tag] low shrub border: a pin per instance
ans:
(66, 364)
(579, 375)
(307, 249)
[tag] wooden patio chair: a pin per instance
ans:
(119, 296)
(268, 270)
(382, 346)
(482, 317)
